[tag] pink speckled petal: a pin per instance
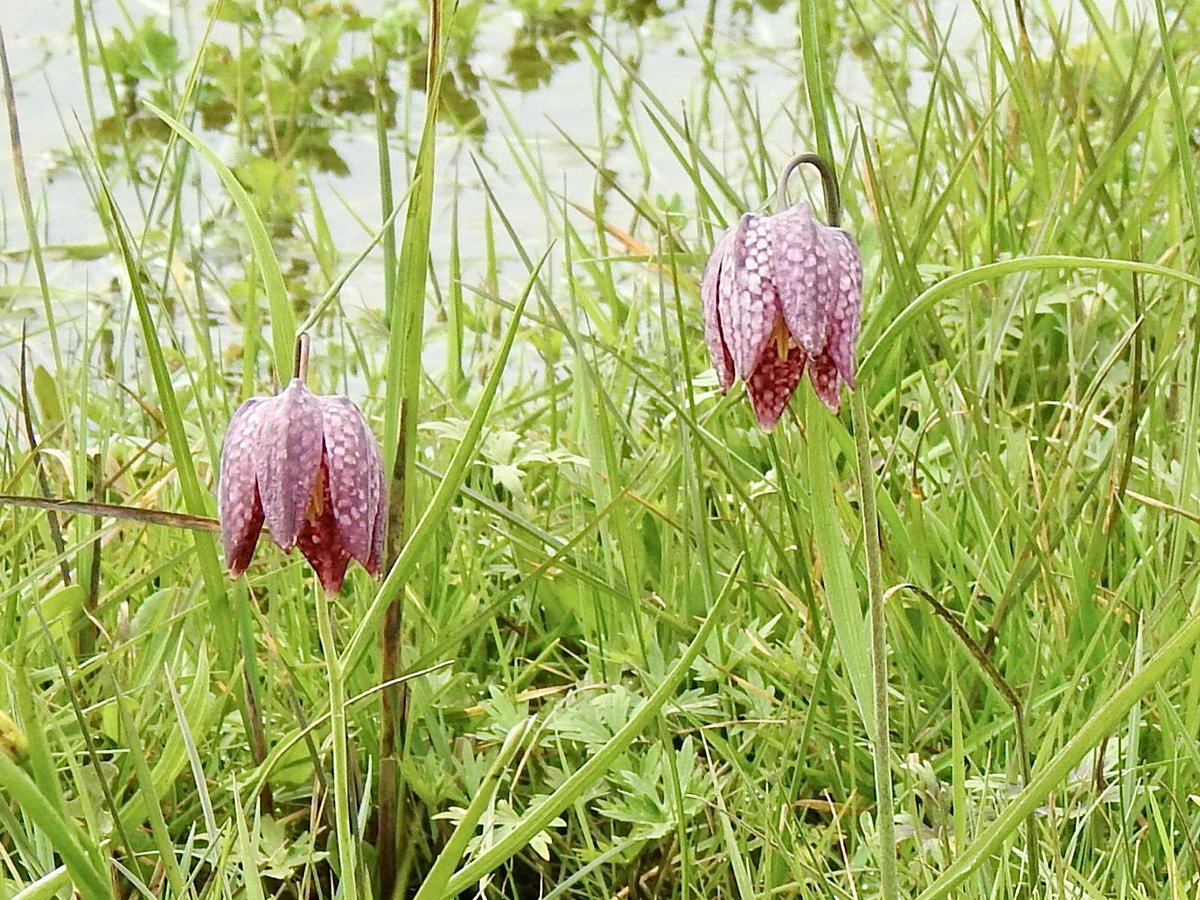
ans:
(845, 306)
(320, 541)
(238, 503)
(774, 382)
(826, 381)
(749, 315)
(800, 270)
(238, 554)
(290, 459)
(353, 463)
(716, 280)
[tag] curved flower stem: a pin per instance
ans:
(885, 831)
(833, 201)
(300, 367)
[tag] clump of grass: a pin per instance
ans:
(619, 597)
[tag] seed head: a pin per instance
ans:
(310, 468)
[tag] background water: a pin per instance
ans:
(521, 74)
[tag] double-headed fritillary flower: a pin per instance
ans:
(310, 468)
(783, 293)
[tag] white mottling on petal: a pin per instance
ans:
(238, 503)
(354, 463)
(289, 460)
(825, 381)
(748, 316)
(774, 382)
(797, 263)
(843, 333)
(718, 279)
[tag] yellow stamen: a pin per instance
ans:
(316, 502)
(781, 335)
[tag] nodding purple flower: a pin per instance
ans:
(783, 293)
(310, 468)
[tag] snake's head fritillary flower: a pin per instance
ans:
(783, 293)
(310, 468)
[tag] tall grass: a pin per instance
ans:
(634, 647)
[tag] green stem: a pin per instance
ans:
(300, 362)
(833, 200)
(406, 317)
(881, 746)
(1177, 649)
(337, 725)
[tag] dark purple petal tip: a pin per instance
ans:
(238, 503)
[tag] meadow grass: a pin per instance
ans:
(631, 653)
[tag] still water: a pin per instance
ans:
(545, 72)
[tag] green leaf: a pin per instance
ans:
(45, 388)
(598, 763)
(63, 836)
(841, 589)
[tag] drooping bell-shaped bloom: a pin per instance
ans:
(783, 293)
(310, 468)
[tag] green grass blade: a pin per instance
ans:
(586, 775)
(63, 836)
(47, 887)
(247, 855)
(196, 498)
(434, 886)
(406, 311)
(432, 518)
(948, 287)
(283, 319)
(1099, 725)
(151, 800)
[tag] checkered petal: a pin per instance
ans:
(291, 442)
(354, 466)
(718, 280)
(749, 314)
(818, 276)
(374, 562)
(238, 503)
(800, 272)
(320, 540)
(826, 381)
(845, 306)
(774, 382)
